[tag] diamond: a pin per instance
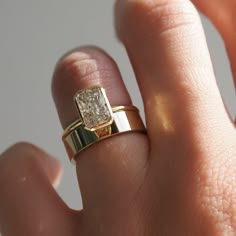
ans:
(94, 108)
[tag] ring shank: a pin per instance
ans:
(76, 137)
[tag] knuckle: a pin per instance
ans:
(82, 64)
(77, 64)
(158, 16)
(173, 15)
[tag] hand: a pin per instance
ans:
(180, 178)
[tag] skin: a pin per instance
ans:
(180, 178)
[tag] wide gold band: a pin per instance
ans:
(125, 119)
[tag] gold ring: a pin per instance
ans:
(98, 121)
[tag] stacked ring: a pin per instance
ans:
(98, 121)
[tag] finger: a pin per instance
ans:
(188, 126)
(167, 47)
(108, 169)
(28, 203)
(222, 14)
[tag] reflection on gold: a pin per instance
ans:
(162, 112)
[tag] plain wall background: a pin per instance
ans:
(33, 35)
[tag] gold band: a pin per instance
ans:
(125, 119)
(98, 121)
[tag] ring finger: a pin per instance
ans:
(109, 171)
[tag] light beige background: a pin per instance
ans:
(33, 35)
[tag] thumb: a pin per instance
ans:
(28, 203)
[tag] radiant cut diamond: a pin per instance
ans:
(94, 108)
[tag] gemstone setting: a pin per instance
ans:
(94, 108)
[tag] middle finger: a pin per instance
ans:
(167, 47)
